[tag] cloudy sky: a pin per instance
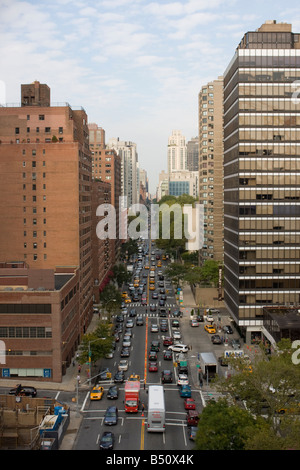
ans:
(135, 66)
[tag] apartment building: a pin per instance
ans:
(106, 167)
(261, 175)
(210, 107)
(130, 185)
(177, 155)
(45, 196)
(192, 154)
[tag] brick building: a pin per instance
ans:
(46, 213)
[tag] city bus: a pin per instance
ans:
(156, 409)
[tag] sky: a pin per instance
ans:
(135, 66)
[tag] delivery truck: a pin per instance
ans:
(132, 396)
(208, 365)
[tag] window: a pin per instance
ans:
(41, 117)
(47, 129)
(17, 130)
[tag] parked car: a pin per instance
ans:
(107, 441)
(21, 390)
(223, 361)
(166, 376)
(175, 324)
(235, 343)
(194, 323)
(111, 416)
(227, 329)
(112, 393)
(213, 311)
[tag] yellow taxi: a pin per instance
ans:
(136, 283)
(210, 329)
(152, 287)
(124, 294)
(164, 257)
(127, 300)
(97, 393)
(159, 264)
(147, 266)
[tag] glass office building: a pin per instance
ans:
(262, 174)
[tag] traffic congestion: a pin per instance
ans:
(157, 353)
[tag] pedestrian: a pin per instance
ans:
(79, 369)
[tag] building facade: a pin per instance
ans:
(130, 186)
(211, 175)
(45, 193)
(192, 154)
(177, 155)
(262, 174)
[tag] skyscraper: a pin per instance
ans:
(211, 169)
(261, 174)
(177, 159)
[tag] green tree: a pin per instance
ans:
(120, 274)
(270, 388)
(98, 343)
(223, 427)
(176, 272)
(111, 299)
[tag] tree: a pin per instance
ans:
(98, 343)
(176, 272)
(270, 388)
(111, 299)
(120, 274)
(223, 427)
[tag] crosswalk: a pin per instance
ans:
(139, 304)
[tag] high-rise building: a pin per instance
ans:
(127, 151)
(177, 160)
(262, 175)
(46, 216)
(106, 167)
(192, 154)
(211, 169)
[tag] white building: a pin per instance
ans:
(129, 168)
(177, 152)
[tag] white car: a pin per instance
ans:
(179, 348)
(123, 364)
(177, 335)
(183, 379)
(210, 318)
(154, 328)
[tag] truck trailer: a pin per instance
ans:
(132, 396)
(209, 365)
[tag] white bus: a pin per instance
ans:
(156, 409)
